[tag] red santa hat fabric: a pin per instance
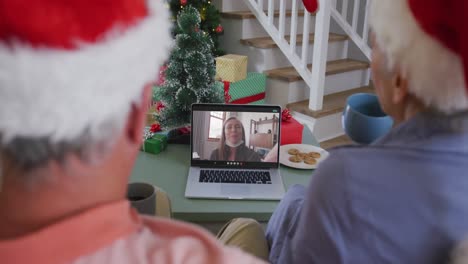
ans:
(446, 21)
(76, 65)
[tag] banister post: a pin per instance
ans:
(319, 62)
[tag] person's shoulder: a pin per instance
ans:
(187, 243)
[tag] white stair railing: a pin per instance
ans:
(358, 33)
(314, 77)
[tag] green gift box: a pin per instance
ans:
(155, 144)
(251, 90)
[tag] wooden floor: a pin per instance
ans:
(335, 142)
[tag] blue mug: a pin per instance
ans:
(364, 120)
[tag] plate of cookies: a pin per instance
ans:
(302, 156)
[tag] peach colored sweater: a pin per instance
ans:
(115, 233)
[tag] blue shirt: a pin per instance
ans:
(402, 199)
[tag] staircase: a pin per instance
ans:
(298, 50)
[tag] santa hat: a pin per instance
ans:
(71, 66)
(428, 39)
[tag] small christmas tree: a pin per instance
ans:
(189, 74)
(210, 19)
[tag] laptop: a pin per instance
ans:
(233, 153)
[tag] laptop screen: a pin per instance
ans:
(235, 136)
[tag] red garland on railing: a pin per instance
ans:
(311, 5)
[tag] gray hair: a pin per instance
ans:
(28, 154)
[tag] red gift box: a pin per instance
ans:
(291, 132)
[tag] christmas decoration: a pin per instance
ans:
(210, 19)
(155, 128)
(153, 142)
(251, 90)
(231, 67)
(286, 115)
(159, 106)
(219, 29)
(291, 132)
(189, 74)
(311, 5)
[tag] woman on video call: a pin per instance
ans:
(232, 145)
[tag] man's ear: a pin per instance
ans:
(400, 89)
(137, 117)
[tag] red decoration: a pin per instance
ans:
(183, 2)
(159, 106)
(66, 24)
(286, 115)
(219, 29)
(291, 132)
(185, 130)
(311, 5)
(243, 100)
(162, 75)
(227, 97)
(155, 128)
(249, 99)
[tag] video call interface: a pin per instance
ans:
(235, 138)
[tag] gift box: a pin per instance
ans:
(231, 68)
(150, 118)
(291, 132)
(155, 144)
(251, 90)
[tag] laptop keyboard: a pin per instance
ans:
(234, 176)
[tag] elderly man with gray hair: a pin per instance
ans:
(73, 102)
(403, 198)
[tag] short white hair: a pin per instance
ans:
(435, 73)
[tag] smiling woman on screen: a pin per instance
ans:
(232, 145)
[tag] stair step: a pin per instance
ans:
(332, 103)
(268, 43)
(335, 142)
(250, 15)
(290, 74)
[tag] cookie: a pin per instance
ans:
(293, 151)
(302, 155)
(295, 159)
(314, 155)
(310, 161)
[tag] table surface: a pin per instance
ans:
(169, 169)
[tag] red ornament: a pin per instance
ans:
(311, 5)
(183, 2)
(155, 128)
(159, 106)
(219, 29)
(286, 115)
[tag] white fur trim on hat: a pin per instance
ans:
(61, 93)
(435, 74)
